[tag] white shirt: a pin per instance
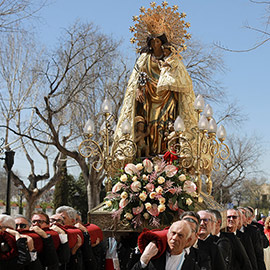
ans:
(174, 262)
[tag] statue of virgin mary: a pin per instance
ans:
(159, 88)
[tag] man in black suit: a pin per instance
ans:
(240, 259)
(178, 236)
(254, 234)
(250, 213)
(192, 253)
(222, 242)
(210, 256)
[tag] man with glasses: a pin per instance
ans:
(250, 239)
(82, 254)
(22, 223)
(41, 222)
(191, 248)
(56, 218)
(48, 256)
(240, 259)
(209, 253)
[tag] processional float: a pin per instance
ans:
(165, 141)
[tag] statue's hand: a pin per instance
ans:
(139, 95)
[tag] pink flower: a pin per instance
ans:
(172, 190)
(131, 169)
(137, 210)
(148, 165)
(153, 211)
(123, 203)
(173, 207)
(170, 170)
(149, 187)
(189, 187)
(117, 187)
(136, 186)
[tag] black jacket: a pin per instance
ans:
(210, 256)
(160, 263)
(247, 243)
(239, 257)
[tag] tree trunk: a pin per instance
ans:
(31, 203)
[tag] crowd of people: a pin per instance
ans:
(206, 239)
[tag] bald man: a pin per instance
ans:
(178, 236)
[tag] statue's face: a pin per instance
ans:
(156, 43)
(140, 126)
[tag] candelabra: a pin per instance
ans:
(201, 148)
(102, 154)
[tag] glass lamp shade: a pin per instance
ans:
(89, 127)
(102, 127)
(126, 127)
(208, 111)
(106, 106)
(212, 126)
(203, 123)
(221, 133)
(179, 125)
(199, 103)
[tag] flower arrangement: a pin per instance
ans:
(150, 193)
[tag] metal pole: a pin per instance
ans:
(9, 161)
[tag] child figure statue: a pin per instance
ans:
(141, 133)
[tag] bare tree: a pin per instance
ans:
(242, 164)
(81, 72)
(20, 84)
(263, 32)
(13, 13)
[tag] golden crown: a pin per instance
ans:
(159, 20)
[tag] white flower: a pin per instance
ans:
(123, 178)
(143, 196)
(148, 165)
(159, 190)
(136, 186)
(189, 187)
(139, 166)
(128, 216)
(134, 178)
(146, 215)
(170, 170)
(124, 195)
(152, 195)
(148, 206)
(117, 187)
(108, 203)
(161, 180)
(145, 177)
(189, 201)
(123, 203)
(162, 200)
(182, 177)
(131, 169)
(161, 208)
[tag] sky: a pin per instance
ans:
(212, 21)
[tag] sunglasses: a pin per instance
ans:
(206, 220)
(21, 226)
(233, 217)
(38, 221)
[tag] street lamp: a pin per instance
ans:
(20, 201)
(9, 161)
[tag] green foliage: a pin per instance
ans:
(72, 192)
